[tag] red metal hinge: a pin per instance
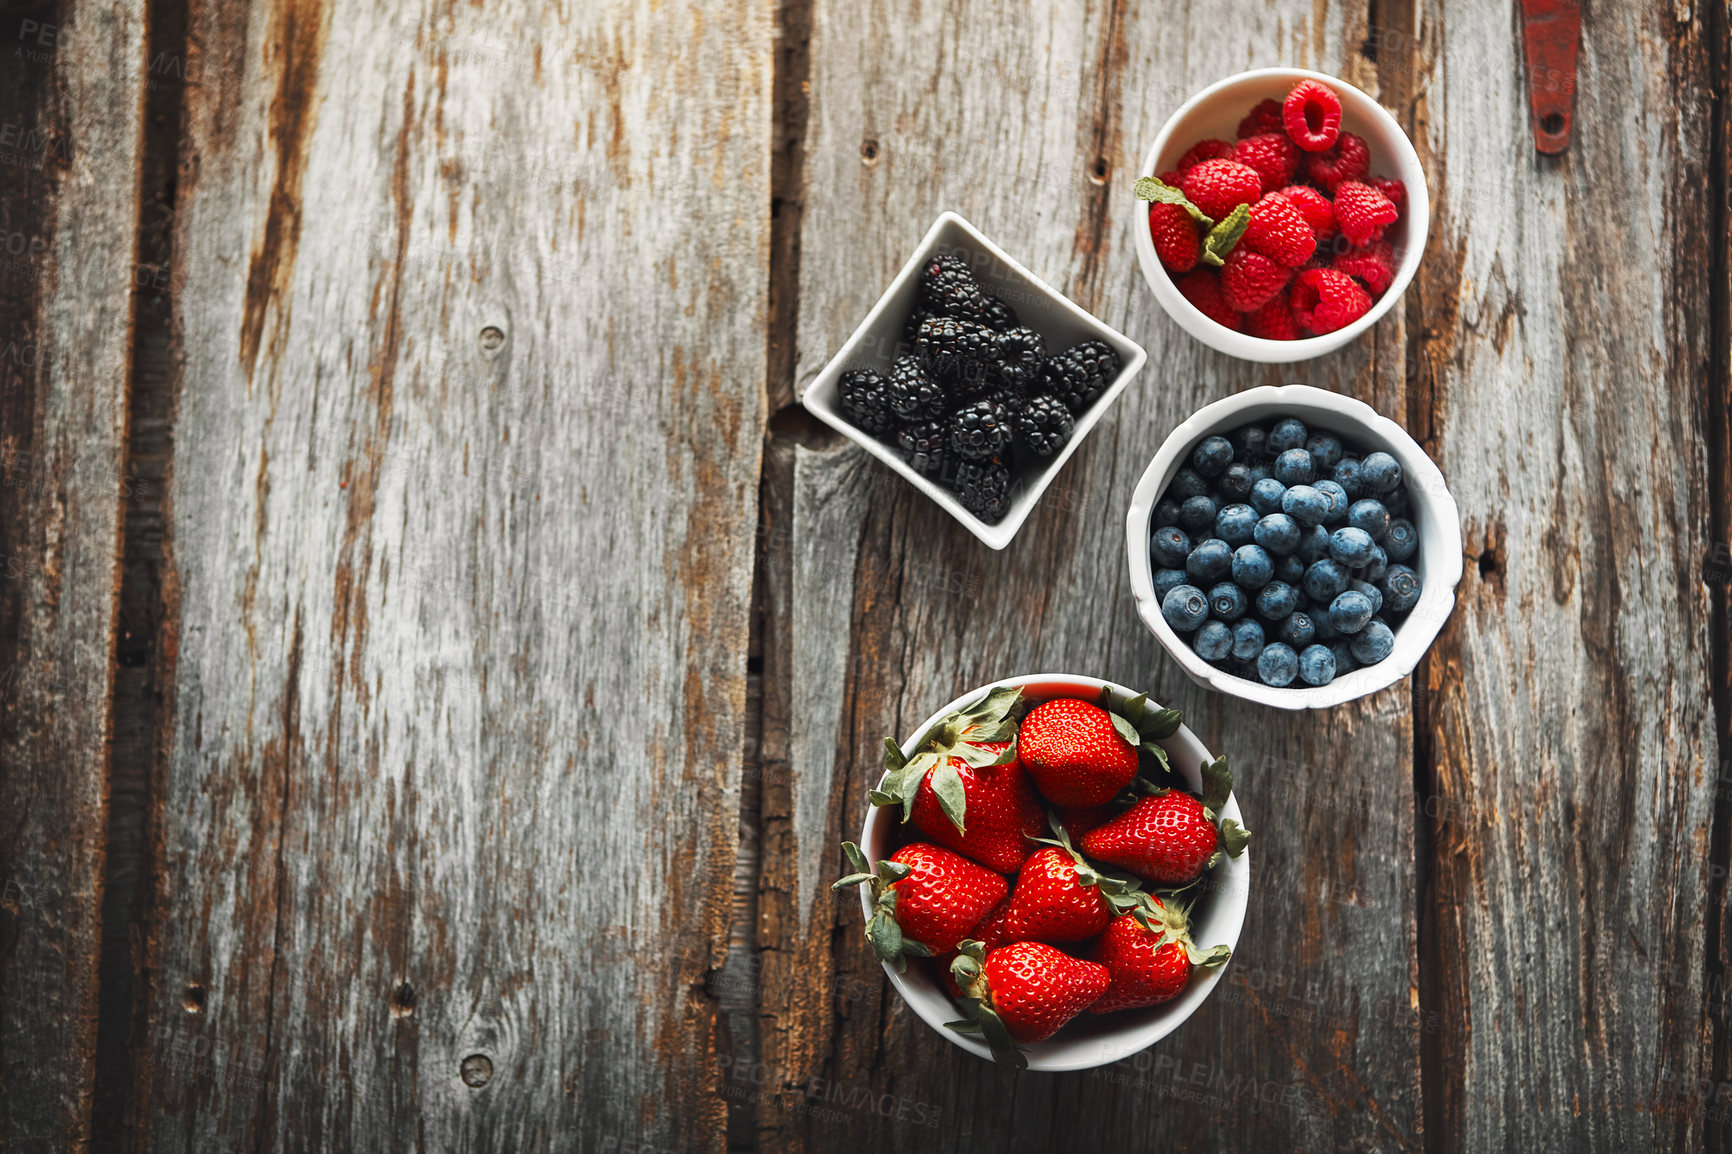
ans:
(1551, 34)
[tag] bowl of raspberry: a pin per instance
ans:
(1052, 871)
(1287, 212)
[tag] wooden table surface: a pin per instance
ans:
(440, 657)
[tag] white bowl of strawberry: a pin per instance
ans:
(1053, 871)
(1288, 212)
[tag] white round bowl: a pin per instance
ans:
(1087, 1041)
(1431, 509)
(1216, 112)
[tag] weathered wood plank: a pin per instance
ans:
(466, 464)
(1001, 112)
(1572, 731)
(70, 93)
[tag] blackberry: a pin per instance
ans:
(999, 316)
(911, 330)
(865, 400)
(958, 351)
(980, 430)
(1021, 353)
(914, 396)
(947, 288)
(983, 487)
(1081, 373)
(925, 447)
(1043, 424)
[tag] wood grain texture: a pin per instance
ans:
(1573, 729)
(466, 465)
(69, 165)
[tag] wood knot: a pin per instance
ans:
(192, 999)
(477, 1071)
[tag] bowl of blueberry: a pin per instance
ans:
(1290, 546)
(973, 379)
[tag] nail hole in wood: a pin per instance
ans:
(403, 1001)
(1488, 563)
(477, 1071)
(1552, 123)
(869, 151)
(192, 1001)
(492, 338)
(1099, 170)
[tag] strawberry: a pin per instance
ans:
(1325, 300)
(1312, 115)
(989, 933)
(1374, 266)
(1347, 159)
(1175, 236)
(1362, 212)
(1203, 150)
(1219, 186)
(1074, 751)
(1165, 839)
(1077, 822)
(1274, 321)
(1266, 117)
(1314, 207)
(1023, 992)
(925, 899)
(1150, 957)
(1249, 279)
(1273, 156)
(1203, 289)
(1051, 903)
(1279, 231)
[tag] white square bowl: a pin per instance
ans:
(878, 341)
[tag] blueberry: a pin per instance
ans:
(1278, 533)
(1380, 472)
(1252, 567)
(1344, 660)
(1166, 513)
(1169, 546)
(1326, 631)
(1294, 467)
(1213, 641)
(1227, 602)
(1276, 600)
(1277, 664)
(1297, 630)
(1234, 524)
(1351, 547)
(1251, 442)
(1197, 514)
(1373, 643)
(1338, 502)
(1396, 501)
(1186, 483)
(1401, 540)
(1260, 471)
(1288, 433)
(1290, 569)
(1317, 665)
(1165, 579)
(1350, 611)
(1324, 581)
(1266, 495)
(1210, 560)
(1305, 505)
(1371, 591)
(1400, 587)
(1235, 484)
(1184, 607)
(1377, 566)
(1325, 450)
(1211, 458)
(1346, 474)
(1371, 516)
(1247, 639)
(1313, 544)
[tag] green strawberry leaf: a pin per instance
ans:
(1126, 730)
(1209, 958)
(879, 798)
(1159, 754)
(1217, 784)
(850, 880)
(1155, 189)
(918, 949)
(856, 857)
(1004, 1048)
(1233, 837)
(947, 784)
(886, 938)
(1224, 236)
(893, 871)
(1163, 724)
(893, 759)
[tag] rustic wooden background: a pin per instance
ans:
(439, 657)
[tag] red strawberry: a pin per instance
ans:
(1077, 822)
(989, 933)
(1219, 186)
(1175, 235)
(1314, 207)
(1032, 989)
(1166, 840)
(1151, 963)
(1003, 811)
(1394, 190)
(1266, 117)
(1362, 212)
(1248, 279)
(1076, 755)
(1051, 904)
(1274, 321)
(1273, 156)
(1375, 266)
(1201, 151)
(1203, 289)
(1325, 300)
(925, 899)
(1349, 159)
(1279, 231)
(1312, 115)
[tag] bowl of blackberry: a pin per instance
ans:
(974, 379)
(1292, 547)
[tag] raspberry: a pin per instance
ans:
(1274, 321)
(1325, 300)
(1174, 178)
(1314, 207)
(1349, 159)
(1393, 189)
(1279, 231)
(1374, 265)
(1272, 155)
(1362, 212)
(1249, 279)
(1175, 235)
(1266, 117)
(1219, 186)
(1312, 115)
(1204, 291)
(1210, 149)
